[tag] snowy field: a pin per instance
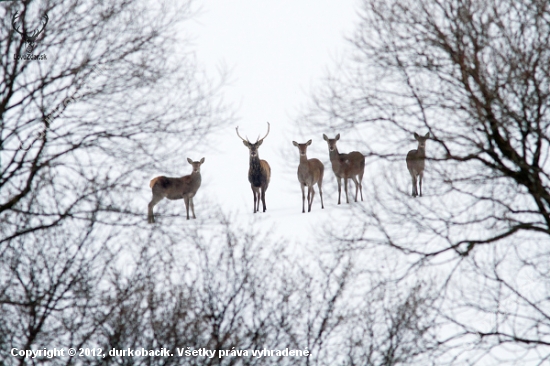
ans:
(276, 53)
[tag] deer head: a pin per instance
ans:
(331, 142)
(196, 165)
(29, 39)
(421, 140)
(253, 147)
(302, 148)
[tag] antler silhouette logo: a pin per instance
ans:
(29, 39)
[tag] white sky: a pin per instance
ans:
(276, 51)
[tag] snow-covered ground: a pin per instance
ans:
(276, 52)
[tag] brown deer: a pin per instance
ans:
(176, 188)
(259, 171)
(346, 166)
(310, 172)
(415, 162)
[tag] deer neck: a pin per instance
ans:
(255, 166)
(303, 159)
(195, 177)
(195, 181)
(421, 152)
(255, 161)
(334, 154)
(255, 173)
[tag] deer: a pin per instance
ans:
(310, 172)
(415, 162)
(30, 40)
(259, 171)
(176, 188)
(346, 166)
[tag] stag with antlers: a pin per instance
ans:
(29, 39)
(259, 171)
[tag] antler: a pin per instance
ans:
(265, 134)
(237, 128)
(13, 23)
(36, 31)
(258, 139)
(29, 38)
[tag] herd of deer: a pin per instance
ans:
(310, 172)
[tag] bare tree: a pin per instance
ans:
(233, 289)
(476, 76)
(112, 96)
(51, 292)
(116, 98)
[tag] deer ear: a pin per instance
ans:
(337, 137)
(246, 144)
(325, 137)
(427, 135)
(294, 143)
(189, 161)
(308, 143)
(202, 160)
(416, 136)
(260, 142)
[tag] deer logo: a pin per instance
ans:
(29, 38)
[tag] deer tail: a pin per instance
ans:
(153, 181)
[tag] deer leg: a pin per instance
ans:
(420, 176)
(186, 200)
(356, 187)
(346, 189)
(361, 185)
(254, 194)
(154, 201)
(303, 198)
(339, 188)
(413, 176)
(192, 207)
(263, 199)
(319, 184)
(312, 195)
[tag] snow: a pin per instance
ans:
(276, 51)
